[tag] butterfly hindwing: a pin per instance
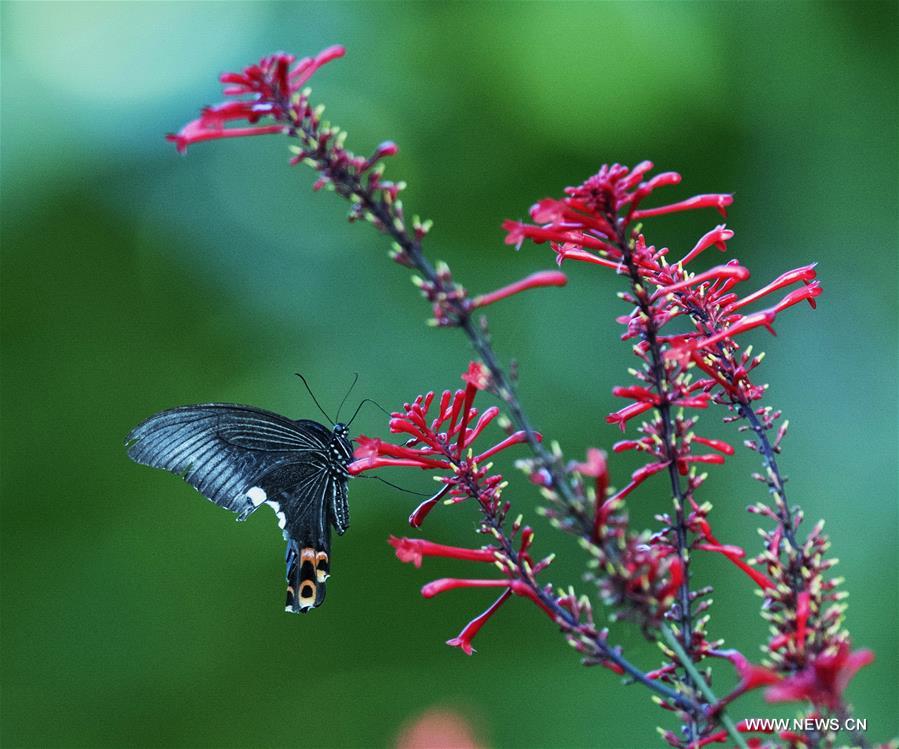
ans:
(241, 457)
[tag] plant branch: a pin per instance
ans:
(775, 479)
(690, 668)
(660, 382)
(563, 617)
(350, 186)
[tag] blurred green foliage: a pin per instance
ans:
(134, 614)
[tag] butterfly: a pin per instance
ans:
(241, 457)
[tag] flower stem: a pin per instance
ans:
(775, 480)
(685, 660)
(659, 377)
(568, 621)
(505, 388)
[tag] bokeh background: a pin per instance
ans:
(135, 614)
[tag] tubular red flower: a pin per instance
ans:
(728, 551)
(518, 587)
(637, 393)
(385, 149)
(717, 237)
(734, 272)
(423, 510)
(517, 232)
(463, 640)
(823, 680)
(549, 211)
(570, 213)
(718, 445)
(697, 401)
(198, 130)
(466, 413)
(478, 375)
(676, 577)
(513, 439)
(743, 324)
(308, 65)
(485, 418)
(271, 87)
(719, 202)
(411, 550)
(803, 610)
(219, 114)
(623, 415)
(805, 274)
(631, 179)
(751, 675)
(713, 458)
(806, 293)
(533, 281)
(637, 478)
(596, 466)
(664, 179)
(624, 445)
(374, 453)
(569, 251)
(367, 464)
(697, 357)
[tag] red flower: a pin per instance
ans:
(534, 281)
(270, 84)
(593, 220)
(443, 441)
(752, 676)
(412, 550)
(463, 640)
(733, 553)
(478, 376)
(823, 680)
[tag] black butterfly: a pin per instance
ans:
(241, 457)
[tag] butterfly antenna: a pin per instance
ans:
(314, 399)
(374, 403)
(355, 380)
(385, 481)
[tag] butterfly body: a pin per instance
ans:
(241, 457)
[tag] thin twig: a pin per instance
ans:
(703, 686)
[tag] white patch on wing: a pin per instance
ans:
(282, 518)
(257, 495)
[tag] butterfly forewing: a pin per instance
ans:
(241, 457)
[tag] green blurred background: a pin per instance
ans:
(134, 614)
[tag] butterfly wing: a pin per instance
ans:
(225, 451)
(299, 494)
(241, 457)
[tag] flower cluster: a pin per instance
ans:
(273, 90)
(696, 364)
(594, 223)
(444, 441)
(681, 374)
(263, 90)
